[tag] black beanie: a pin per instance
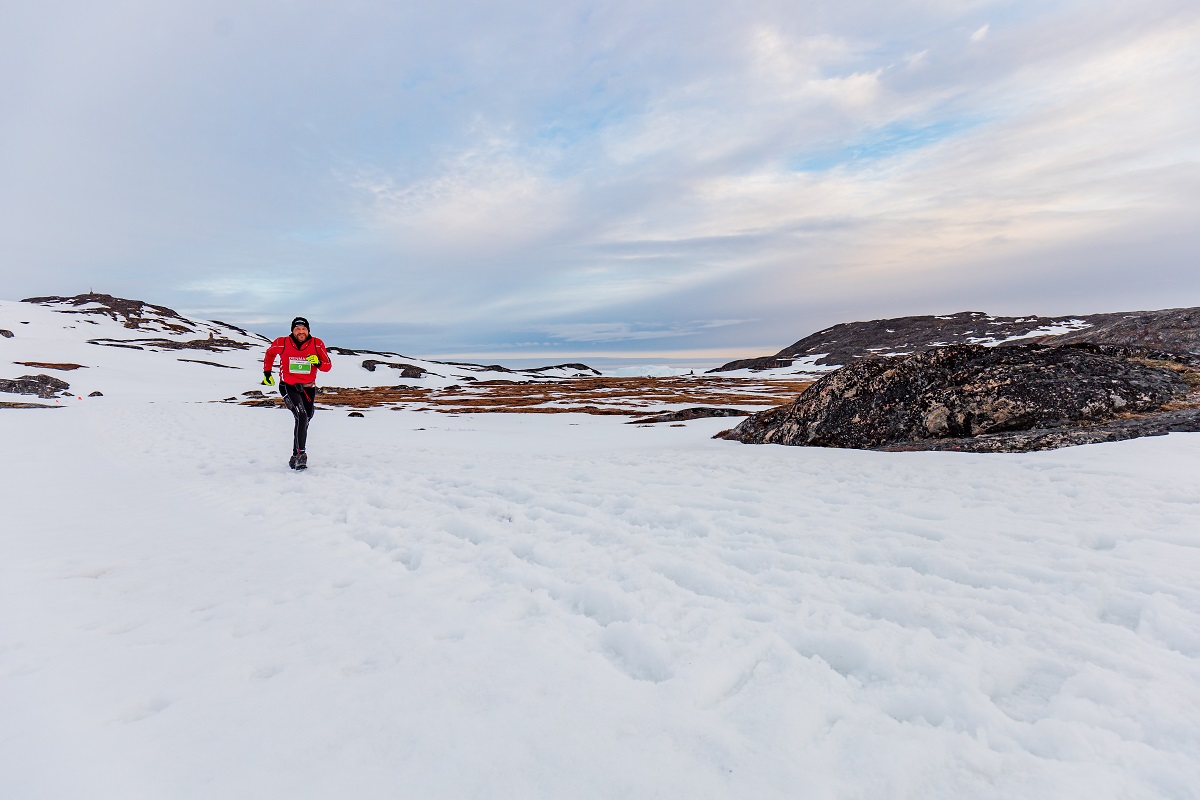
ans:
(299, 321)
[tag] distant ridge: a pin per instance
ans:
(133, 314)
(141, 326)
(1173, 330)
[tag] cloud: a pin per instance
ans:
(509, 173)
(608, 332)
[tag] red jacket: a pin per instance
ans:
(293, 359)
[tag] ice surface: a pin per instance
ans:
(566, 606)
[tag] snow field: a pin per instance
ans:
(565, 606)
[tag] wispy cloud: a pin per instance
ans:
(500, 173)
(608, 332)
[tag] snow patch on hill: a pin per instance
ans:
(112, 345)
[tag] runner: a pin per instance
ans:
(300, 357)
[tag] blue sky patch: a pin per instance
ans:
(879, 144)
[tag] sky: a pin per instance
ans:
(530, 179)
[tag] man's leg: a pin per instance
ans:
(309, 393)
(296, 399)
(306, 405)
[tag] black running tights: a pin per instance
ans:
(300, 401)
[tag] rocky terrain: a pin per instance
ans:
(687, 414)
(44, 386)
(965, 381)
(148, 318)
(989, 399)
(1173, 330)
(123, 348)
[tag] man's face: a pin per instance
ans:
(300, 332)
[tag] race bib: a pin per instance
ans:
(299, 366)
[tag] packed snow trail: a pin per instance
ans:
(565, 606)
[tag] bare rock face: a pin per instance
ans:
(581, 370)
(43, 386)
(216, 344)
(1176, 330)
(132, 314)
(146, 317)
(1153, 424)
(686, 414)
(406, 370)
(962, 392)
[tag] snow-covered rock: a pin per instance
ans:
(126, 346)
(1174, 330)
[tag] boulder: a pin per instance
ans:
(43, 386)
(695, 412)
(966, 391)
(406, 370)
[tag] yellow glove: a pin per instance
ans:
(268, 379)
(314, 359)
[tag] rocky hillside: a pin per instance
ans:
(989, 399)
(1173, 330)
(59, 348)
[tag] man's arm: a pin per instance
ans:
(272, 353)
(325, 364)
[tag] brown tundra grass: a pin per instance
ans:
(607, 396)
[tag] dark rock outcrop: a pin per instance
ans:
(44, 386)
(695, 412)
(371, 364)
(1176, 330)
(406, 370)
(215, 344)
(149, 318)
(758, 364)
(582, 370)
(964, 392)
(133, 314)
(1157, 424)
(6, 334)
(206, 363)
